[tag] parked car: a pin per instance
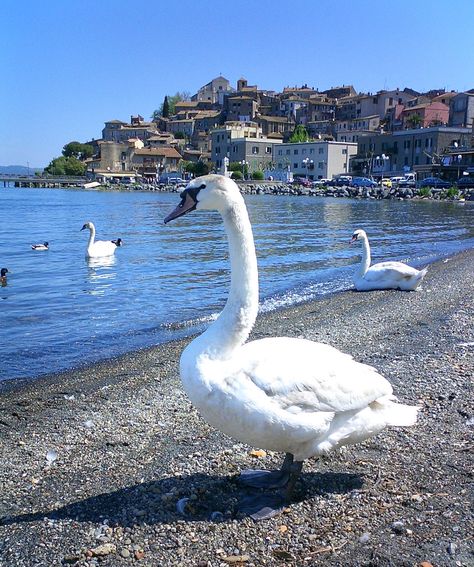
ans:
(302, 181)
(341, 181)
(466, 182)
(386, 182)
(363, 182)
(320, 182)
(435, 182)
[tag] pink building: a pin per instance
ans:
(425, 115)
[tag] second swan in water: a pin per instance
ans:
(281, 394)
(385, 275)
(99, 248)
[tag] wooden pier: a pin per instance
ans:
(41, 181)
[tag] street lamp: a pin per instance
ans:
(459, 163)
(244, 164)
(308, 163)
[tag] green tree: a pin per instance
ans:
(168, 105)
(415, 120)
(258, 175)
(78, 150)
(300, 134)
(66, 166)
(165, 111)
(197, 168)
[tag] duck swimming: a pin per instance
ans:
(3, 276)
(40, 247)
(295, 396)
(99, 248)
(385, 275)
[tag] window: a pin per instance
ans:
(320, 150)
(268, 150)
(255, 149)
(344, 151)
(417, 160)
(287, 152)
(303, 151)
(321, 165)
(295, 166)
(311, 150)
(295, 152)
(280, 152)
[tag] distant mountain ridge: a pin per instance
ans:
(19, 169)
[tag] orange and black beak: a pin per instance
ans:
(188, 203)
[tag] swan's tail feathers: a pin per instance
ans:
(421, 274)
(396, 415)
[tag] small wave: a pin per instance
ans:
(177, 325)
(295, 297)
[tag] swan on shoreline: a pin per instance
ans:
(384, 275)
(99, 248)
(40, 247)
(290, 395)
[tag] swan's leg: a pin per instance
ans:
(264, 506)
(295, 471)
(268, 479)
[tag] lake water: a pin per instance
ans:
(59, 311)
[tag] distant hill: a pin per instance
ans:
(18, 169)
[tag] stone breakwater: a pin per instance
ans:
(278, 188)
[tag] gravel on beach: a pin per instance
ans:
(110, 465)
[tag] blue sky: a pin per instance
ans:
(68, 66)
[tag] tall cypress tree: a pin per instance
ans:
(166, 108)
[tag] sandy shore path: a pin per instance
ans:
(94, 461)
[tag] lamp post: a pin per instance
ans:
(459, 164)
(244, 165)
(307, 164)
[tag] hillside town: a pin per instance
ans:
(300, 132)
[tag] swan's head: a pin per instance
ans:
(88, 225)
(358, 234)
(212, 192)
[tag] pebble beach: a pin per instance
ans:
(110, 464)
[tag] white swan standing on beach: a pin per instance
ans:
(282, 394)
(385, 275)
(99, 248)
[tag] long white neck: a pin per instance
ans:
(236, 320)
(365, 264)
(91, 235)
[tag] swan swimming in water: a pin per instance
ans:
(40, 247)
(3, 276)
(100, 248)
(385, 275)
(282, 394)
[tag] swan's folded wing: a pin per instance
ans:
(390, 270)
(301, 375)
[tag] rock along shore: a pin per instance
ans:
(96, 462)
(280, 188)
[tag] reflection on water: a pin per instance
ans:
(171, 280)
